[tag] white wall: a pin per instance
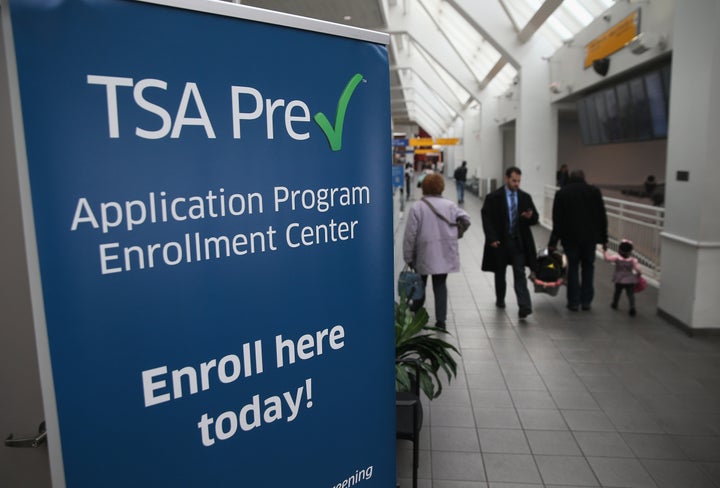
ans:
(454, 155)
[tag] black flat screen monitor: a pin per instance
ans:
(631, 109)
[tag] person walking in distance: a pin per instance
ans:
(460, 176)
(580, 224)
(507, 215)
(409, 172)
(562, 175)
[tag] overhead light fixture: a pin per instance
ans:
(348, 17)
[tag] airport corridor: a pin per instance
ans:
(564, 399)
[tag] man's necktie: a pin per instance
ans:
(513, 214)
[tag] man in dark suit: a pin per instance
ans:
(580, 223)
(507, 215)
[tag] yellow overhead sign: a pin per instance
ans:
(612, 40)
(427, 151)
(449, 141)
(422, 141)
(428, 141)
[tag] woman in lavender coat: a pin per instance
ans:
(430, 244)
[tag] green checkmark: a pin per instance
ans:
(334, 134)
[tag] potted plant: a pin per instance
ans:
(418, 343)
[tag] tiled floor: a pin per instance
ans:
(566, 399)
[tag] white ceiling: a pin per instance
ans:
(366, 14)
(429, 92)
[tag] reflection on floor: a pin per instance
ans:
(565, 399)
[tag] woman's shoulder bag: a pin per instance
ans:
(461, 224)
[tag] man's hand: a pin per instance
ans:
(527, 213)
(495, 244)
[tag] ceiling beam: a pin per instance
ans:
(433, 48)
(422, 102)
(443, 32)
(429, 115)
(427, 123)
(493, 72)
(503, 50)
(428, 50)
(454, 105)
(536, 21)
(516, 27)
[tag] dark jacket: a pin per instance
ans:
(579, 215)
(461, 173)
(496, 220)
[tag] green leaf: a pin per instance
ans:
(415, 340)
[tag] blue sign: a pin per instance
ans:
(400, 142)
(214, 232)
(397, 175)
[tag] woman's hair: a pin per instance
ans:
(433, 184)
(625, 247)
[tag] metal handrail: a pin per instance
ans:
(638, 222)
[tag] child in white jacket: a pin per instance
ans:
(626, 275)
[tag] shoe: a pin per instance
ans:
(613, 305)
(572, 308)
(441, 325)
(500, 304)
(524, 312)
(586, 307)
(632, 312)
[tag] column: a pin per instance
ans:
(691, 238)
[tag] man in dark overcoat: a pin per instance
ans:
(507, 215)
(580, 224)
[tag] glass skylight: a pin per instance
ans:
(437, 96)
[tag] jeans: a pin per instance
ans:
(580, 273)
(460, 186)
